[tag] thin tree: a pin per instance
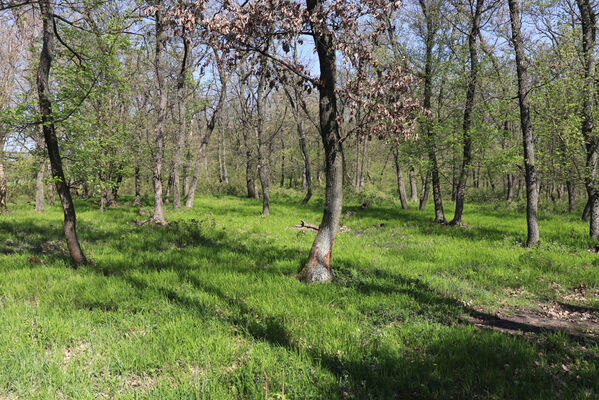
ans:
(532, 194)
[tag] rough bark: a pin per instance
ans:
(180, 138)
(159, 135)
(318, 266)
(3, 205)
(48, 128)
(431, 28)
(468, 108)
(588, 23)
(532, 195)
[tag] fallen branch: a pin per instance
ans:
(307, 226)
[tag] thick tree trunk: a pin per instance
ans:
(318, 266)
(532, 195)
(45, 108)
(180, 138)
(401, 187)
(39, 187)
(470, 94)
(588, 23)
(159, 140)
(413, 187)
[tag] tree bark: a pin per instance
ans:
(470, 94)
(3, 205)
(401, 187)
(48, 128)
(413, 187)
(431, 28)
(510, 188)
(159, 140)
(263, 170)
(318, 266)
(588, 24)
(532, 195)
(571, 195)
(39, 187)
(180, 138)
(425, 190)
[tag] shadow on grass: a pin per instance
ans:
(454, 359)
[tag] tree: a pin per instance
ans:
(532, 195)
(49, 130)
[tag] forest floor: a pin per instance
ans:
(208, 306)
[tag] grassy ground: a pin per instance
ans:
(208, 306)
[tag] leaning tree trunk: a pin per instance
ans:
(588, 23)
(45, 108)
(470, 93)
(318, 266)
(180, 139)
(209, 129)
(430, 136)
(159, 141)
(401, 187)
(532, 195)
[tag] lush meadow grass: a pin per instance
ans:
(208, 307)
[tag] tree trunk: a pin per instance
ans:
(470, 94)
(318, 266)
(282, 162)
(588, 23)
(363, 166)
(224, 156)
(159, 141)
(224, 78)
(180, 138)
(50, 190)
(116, 187)
(401, 187)
(532, 195)
(571, 195)
(510, 187)
(45, 108)
(425, 190)
(429, 16)
(39, 187)
(413, 187)
(263, 170)
(137, 202)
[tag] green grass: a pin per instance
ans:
(208, 307)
